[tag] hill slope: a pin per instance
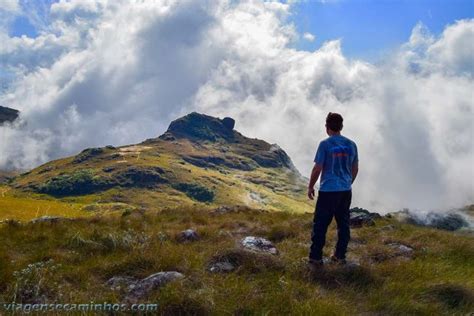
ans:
(198, 160)
(400, 269)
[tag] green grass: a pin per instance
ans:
(155, 175)
(80, 255)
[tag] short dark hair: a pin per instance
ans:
(334, 121)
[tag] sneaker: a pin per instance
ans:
(337, 260)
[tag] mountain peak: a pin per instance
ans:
(8, 114)
(196, 126)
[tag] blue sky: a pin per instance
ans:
(368, 28)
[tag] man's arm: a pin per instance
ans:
(314, 178)
(355, 170)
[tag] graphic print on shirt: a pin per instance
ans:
(340, 160)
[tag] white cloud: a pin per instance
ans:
(309, 37)
(117, 72)
(12, 6)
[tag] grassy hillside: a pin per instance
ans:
(71, 261)
(123, 211)
(198, 161)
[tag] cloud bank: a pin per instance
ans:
(116, 72)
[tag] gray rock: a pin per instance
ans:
(118, 283)
(188, 235)
(48, 219)
(143, 288)
(224, 209)
(221, 267)
(258, 244)
(361, 217)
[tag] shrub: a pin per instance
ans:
(195, 191)
(451, 295)
(78, 183)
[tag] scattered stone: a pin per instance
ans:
(225, 209)
(361, 217)
(48, 219)
(11, 222)
(188, 235)
(144, 287)
(119, 283)
(259, 244)
(387, 227)
(401, 249)
(221, 267)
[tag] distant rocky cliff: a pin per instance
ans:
(8, 115)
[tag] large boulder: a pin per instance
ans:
(361, 217)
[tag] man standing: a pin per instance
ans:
(337, 161)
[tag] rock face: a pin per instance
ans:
(362, 217)
(259, 245)
(8, 115)
(197, 126)
(228, 122)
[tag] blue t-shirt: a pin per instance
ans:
(336, 154)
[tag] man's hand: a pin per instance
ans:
(313, 179)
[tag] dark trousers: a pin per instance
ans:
(331, 204)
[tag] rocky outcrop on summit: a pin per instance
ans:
(199, 127)
(8, 115)
(240, 152)
(199, 159)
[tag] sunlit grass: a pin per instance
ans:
(438, 279)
